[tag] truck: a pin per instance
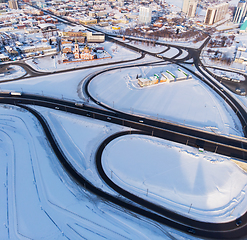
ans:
(15, 93)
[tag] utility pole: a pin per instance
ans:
(190, 207)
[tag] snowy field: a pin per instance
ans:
(62, 85)
(170, 53)
(79, 138)
(66, 210)
(188, 102)
(39, 201)
(204, 186)
(183, 55)
(117, 53)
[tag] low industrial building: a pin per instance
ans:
(95, 37)
(166, 76)
(148, 81)
(88, 21)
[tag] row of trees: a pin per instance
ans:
(222, 41)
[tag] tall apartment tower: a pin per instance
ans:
(240, 12)
(145, 15)
(216, 13)
(189, 7)
(13, 4)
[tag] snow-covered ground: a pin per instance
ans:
(39, 201)
(228, 74)
(177, 3)
(66, 210)
(79, 138)
(234, 65)
(63, 85)
(183, 55)
(203, 186)
(170, 53)
(188, 102)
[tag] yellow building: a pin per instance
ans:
(88, 22)
(72, 34)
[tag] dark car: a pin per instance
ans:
(238, 222)
(191, 230)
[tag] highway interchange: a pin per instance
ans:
(225, 145)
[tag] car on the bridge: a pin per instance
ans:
(79, 104)
(238, 90)
(15, 93)
(238, 222)
(191, 230)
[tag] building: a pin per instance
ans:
(66, 48)
(11, 50)
(86, 54)
(240, 12)
(148, 81)
(216, 13)
(47, 27)
(145, 15)
(13, 4)
(168, 76)
(29, 49)
(88, 21)
(95, 37)
(189, 7)
(4, 57)
(144, 82)
(72, 33)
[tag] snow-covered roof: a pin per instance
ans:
(46, 25)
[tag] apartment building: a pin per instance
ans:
(216, 13)
(189, 7)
